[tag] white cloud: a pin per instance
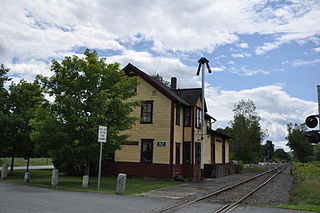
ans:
(41, 29)
(243, 45)
(316, 49)
(299, 62)
(241, 55)
(275, 107)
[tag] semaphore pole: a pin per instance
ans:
(202, 124)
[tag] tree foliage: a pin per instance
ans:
(268, 150)
(23, 100)
(297, 141)
(280, 154)
(161, 79)
(246, 130)
(4, 111)
(87, 93)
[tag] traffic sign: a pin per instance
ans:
(102, 134)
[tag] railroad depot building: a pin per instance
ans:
(166, 142)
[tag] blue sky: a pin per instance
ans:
(263, 50)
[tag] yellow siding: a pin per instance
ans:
(207, 150)
(218, 150)
(128, 153)
(227, 151)
(159, 130)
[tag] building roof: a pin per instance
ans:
(187, 97)
(215, 133)
(191, 96)
(131, 70)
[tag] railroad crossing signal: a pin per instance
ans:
(314, 135)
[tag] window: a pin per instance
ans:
(178, 153)
(178, 114)
(187, 116)
(146, 112)
(198, 153)
(146, 150)
(186, 153)
(198, 118)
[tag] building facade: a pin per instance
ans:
(166, 142)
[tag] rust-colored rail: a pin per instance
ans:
(189, 202)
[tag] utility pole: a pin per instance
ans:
(202, 62)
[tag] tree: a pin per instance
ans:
(23, 99)
(4, 111)
(87, 93)
(246, 130)
(268, 150)
(280, 154)
(297, 141)
(161, 79)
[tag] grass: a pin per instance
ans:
(305, 194)
(306, 189)
(42, 178)
(23, 162)
(303, 207)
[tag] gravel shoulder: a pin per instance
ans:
(274, 193)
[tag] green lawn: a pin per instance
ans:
(23, 162)
(108, 184)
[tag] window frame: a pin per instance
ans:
(197, 153)
(142, 152)
(178, 153)
(198, 117)
(149, 113)
(186, 159)
(187, 119)
(178, 108)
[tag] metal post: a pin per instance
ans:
(100, 159)
(202, 124)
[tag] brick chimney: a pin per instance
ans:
(173, 83)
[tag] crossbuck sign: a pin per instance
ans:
(102, 135)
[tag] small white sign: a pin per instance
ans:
(102, 134)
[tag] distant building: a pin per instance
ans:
(166, 142)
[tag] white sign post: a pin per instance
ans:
(102, 138)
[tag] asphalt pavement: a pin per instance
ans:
(16, 198)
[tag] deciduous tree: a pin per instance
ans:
(87, 93)
(247, 132)
(297, 141)
(4, 111)
(23, 100)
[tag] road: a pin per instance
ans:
(26, 199)
(30, 167)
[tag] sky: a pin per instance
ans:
(263, 50)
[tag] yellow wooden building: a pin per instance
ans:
(165, 143)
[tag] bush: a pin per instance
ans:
(239, 168)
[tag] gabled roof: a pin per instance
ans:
(189, 95)
(133, 71)
(215, 133)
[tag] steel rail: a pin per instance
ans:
(229, 207)
(186, 202)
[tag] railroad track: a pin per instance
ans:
(234, 204)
